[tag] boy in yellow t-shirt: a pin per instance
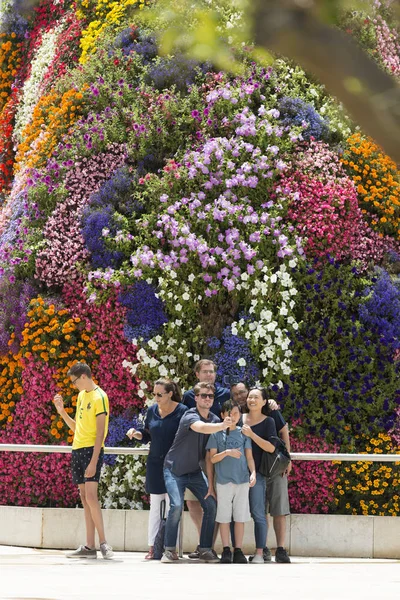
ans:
(90, 430)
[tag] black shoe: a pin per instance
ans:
(238, 556)
(266, 555)
(195, 554)
(281, 555)
(226, 556)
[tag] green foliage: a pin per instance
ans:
(45, 201)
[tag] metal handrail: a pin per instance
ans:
(143, 450)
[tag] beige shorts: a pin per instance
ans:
(233, 502)
(278, 497)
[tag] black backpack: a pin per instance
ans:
(275, 463)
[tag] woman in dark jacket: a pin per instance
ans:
(160, 426)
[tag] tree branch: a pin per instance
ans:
(370, 95)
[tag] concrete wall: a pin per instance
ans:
(307, 535)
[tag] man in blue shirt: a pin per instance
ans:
(182, 469)
(205, 370)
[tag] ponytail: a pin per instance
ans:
(171, 386)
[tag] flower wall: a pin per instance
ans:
(154, 211)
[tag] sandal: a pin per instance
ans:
(149, 555)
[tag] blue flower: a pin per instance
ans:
(295, 111)
(233, 348)
(93, 225)
(132, 40)
(116, 437)
(114, 198)
(178, 71)
(381, 311)
(15, 20)
(14, 306)
(214, 343)
(145, 315)
(116, 192)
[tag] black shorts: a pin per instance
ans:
(81, 458)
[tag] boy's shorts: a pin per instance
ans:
(81, 458)
(233, 502)
(277, 503)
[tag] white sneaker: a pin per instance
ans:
(169, 557)
(106, 551)
(257, 560)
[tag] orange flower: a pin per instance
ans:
(378, 186)
(49, 344)
(51, 120)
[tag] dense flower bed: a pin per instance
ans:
(370, 487)
(10, 61)
(6, 144)
(155, 211)
(377, 179)
(312, 484)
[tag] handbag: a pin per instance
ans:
(158, 548)
(275, 463)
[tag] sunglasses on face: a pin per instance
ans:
(204, 396)
(158, 395)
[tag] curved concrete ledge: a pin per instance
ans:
(307, 535)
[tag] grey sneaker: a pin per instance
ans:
(106, 551)
(82, 552)
(169, 556)
(209, 556)
(257, 560)
(266, 555)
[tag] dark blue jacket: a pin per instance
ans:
(160, 432)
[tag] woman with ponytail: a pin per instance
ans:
(160, 426)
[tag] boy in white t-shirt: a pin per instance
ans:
(230, 452)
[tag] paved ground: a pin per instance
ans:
(29, 574)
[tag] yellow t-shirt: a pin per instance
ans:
(89, 405)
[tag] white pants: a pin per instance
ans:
(154, 516)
